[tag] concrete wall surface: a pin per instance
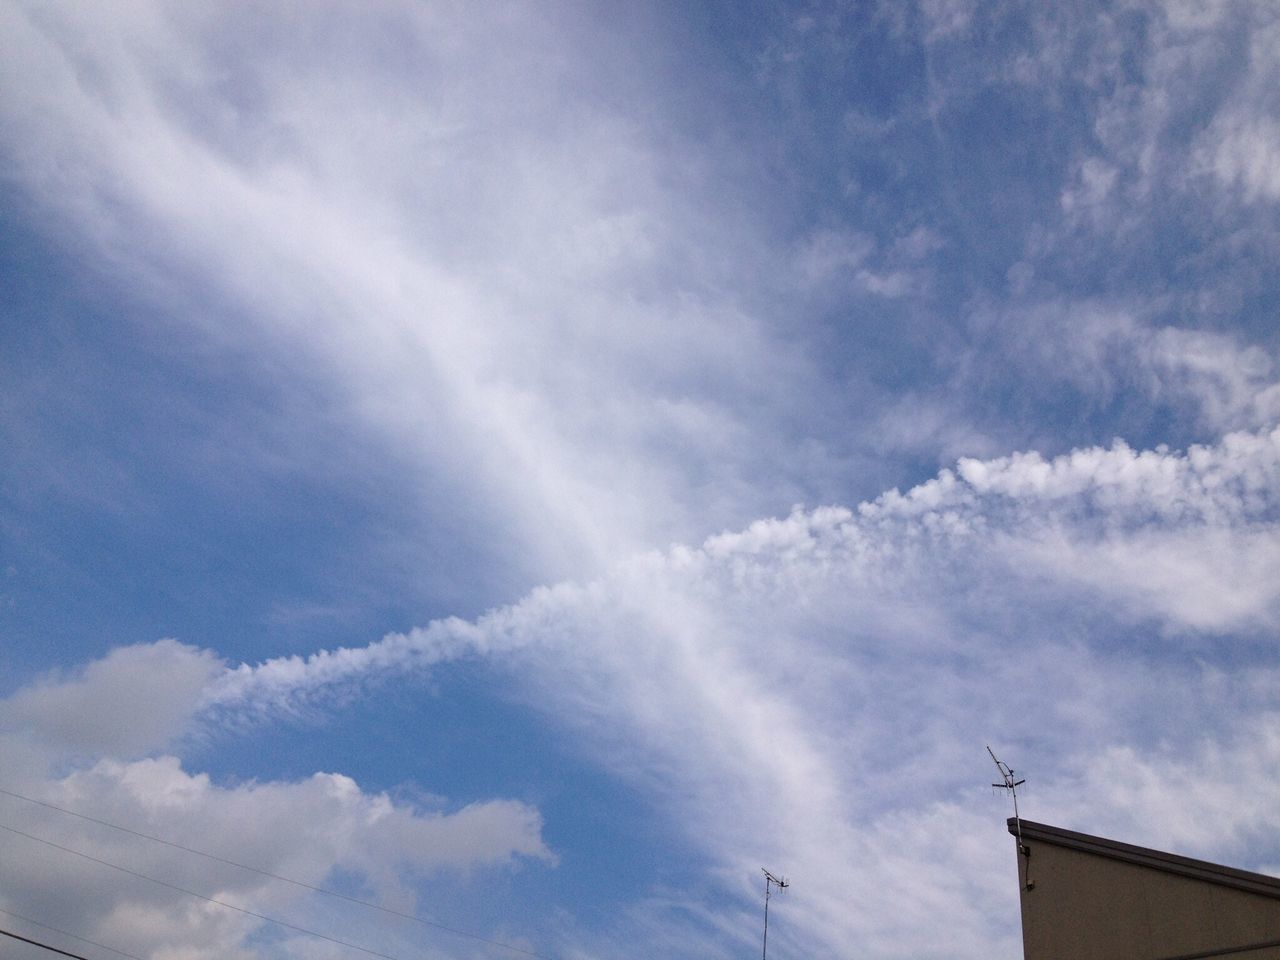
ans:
(1086, 906)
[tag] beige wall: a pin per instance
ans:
(1089, 907)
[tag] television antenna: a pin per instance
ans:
(769, 881)
(1007, 782)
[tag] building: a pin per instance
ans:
(1088, 898)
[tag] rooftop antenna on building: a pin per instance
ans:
(1007, 782)
(769, 881)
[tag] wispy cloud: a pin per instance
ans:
(779, 685)
(990, 283)
(544, 338)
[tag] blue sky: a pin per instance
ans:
(533, 465)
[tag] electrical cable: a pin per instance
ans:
(275, 876)
(65, 933)
(201, 896)
(42, 946)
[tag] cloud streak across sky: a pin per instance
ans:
(757, 410)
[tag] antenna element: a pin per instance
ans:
(769, 880)
(1007, 782)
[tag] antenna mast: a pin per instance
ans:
(769, 880)
(1010, 784)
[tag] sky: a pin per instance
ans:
(531, 466)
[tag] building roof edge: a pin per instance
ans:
(1203, 870)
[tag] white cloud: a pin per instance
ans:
(1095, 181)
(829, 253)
(842, 262)
(314, 830)
(928, 427)
(1215, 798)
(779, 688)
(1181, 138)
(1241, 146)
(1245, 152)
(946, 18)
(134, 700)
(1226, 481)
(1113, 350)
(501, 278)
(510, 282)
(304, 830)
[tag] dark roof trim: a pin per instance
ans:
(1227, 951)
(1257, 883)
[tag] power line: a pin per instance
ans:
(275, 876)
(42, 946)
(201, 896)
(65, 933)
